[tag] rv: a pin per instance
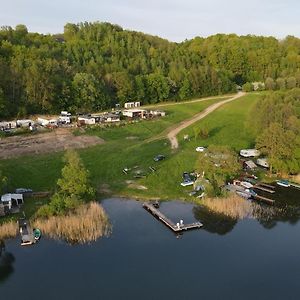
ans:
(10, 200)
(64, 120)
(249, 152)
(24, 123)
(65, 114)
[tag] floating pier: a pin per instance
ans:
(264, 199)
(295, 185)
(265, 188)
(174, 227)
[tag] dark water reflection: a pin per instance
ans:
(142, 259)
(286, 209)
(6, 262)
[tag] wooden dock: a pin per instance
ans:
(179, 227)
(266, 185)
(264, 199)
(263, 188)
(295, 185)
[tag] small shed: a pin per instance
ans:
(86, 121)
(12, 200)
(110, 118)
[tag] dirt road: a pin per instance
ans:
(172, 135)
(165, 104)
(57, 140)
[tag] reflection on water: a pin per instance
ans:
(6, 263)
(142, 259)
(214, 222)
(286, 209)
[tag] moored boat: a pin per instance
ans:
(37, 233)
(283, 182)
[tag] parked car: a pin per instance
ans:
(23, 191)
(159, 157)
(200, 149)
(187, 180)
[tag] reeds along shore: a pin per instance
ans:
(236, 207)
(8, 230)
(232, 206)
(86, 224)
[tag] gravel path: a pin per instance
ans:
(172, 135)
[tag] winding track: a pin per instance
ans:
(172, 135)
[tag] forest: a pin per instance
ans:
(93, 66)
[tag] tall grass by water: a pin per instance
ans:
(239, 208)
(233, 206)
(8, 230)
(86, 224)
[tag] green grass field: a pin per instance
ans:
(134, 146)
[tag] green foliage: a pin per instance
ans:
(219, 164)
(95, 65)
(276, 120)
(248, 87)
(270, 84)
(3, 183)
(73, 187)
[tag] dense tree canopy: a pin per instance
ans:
(276, 119)
(74, 187)
(95, 65)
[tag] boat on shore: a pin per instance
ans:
(283, 182)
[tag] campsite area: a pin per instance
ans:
(133, 147)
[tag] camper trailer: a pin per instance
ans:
(64, 120)
(24, 123)
(12, 200)
(249, 152)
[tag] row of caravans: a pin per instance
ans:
(15, 124)
(263, 162)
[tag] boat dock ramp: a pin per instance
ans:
(264, 187)
(178, 227)
(264, 199)
(295, 185)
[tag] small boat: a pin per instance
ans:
(283, 182)
(246, 184)
(252, 193)
(37, 234)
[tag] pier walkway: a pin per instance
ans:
(174, 227)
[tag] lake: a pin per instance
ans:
(143, 259)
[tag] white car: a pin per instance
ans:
(200, 149)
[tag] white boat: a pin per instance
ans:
(249, 152)
(284, 183)
(246, 184)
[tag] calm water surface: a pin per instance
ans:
(142, 259)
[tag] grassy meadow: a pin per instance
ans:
(134, 146)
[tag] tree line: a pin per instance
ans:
(276, 120)
(93, 66)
